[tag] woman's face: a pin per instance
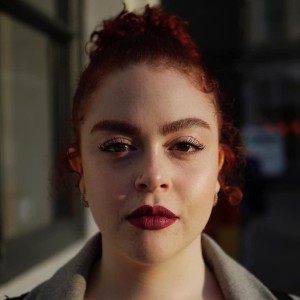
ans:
(149, 139)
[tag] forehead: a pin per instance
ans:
(143, 90)
(138, 79)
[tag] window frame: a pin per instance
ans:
(21, 253)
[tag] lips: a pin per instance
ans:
(152, 217)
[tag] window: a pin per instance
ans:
(274, 15)
(271, 109)
(272, 22)
(38, 42)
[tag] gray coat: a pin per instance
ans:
(69, 283)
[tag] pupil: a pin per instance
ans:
(185, 147)
(120, 148)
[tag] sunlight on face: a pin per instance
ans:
(150, 137)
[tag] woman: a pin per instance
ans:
(153, 148)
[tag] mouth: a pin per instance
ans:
(152, 217)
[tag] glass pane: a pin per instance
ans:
(25, 114)
(48, 7)
(293, 19)
(272, 192)
(272, 120)
(274, 13)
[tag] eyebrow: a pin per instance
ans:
(116, 126)
(127, 128)
(183, 124)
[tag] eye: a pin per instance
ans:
(117, 145)
(188, 144)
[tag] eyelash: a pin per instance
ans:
(190, 142)
(111, 146)
(115, 142)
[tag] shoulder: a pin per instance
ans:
(71, 279)
(235, 281)
(294, 297)
(16, 298)
(284, 296)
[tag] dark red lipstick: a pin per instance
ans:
(152, 217)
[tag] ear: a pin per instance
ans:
(75, 163)
(221, 158)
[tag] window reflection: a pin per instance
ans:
(26, 127)
(47, 7)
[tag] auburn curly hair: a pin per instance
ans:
(160, 39)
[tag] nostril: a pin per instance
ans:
(143, 185)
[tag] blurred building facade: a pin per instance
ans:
(252, 46)
(270, 106)
(39, 59)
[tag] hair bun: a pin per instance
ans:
(154, 21)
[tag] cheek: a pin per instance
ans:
(107, 191)
(106, 198)
(197, 189)
(101, 177)
(201, 176)
(198, 204)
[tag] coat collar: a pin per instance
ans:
(234, 280)
(69, 283)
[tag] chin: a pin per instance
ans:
(149, 257)
(151, 249)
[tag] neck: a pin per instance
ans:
(183, 276)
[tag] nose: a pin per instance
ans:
(153, 175)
